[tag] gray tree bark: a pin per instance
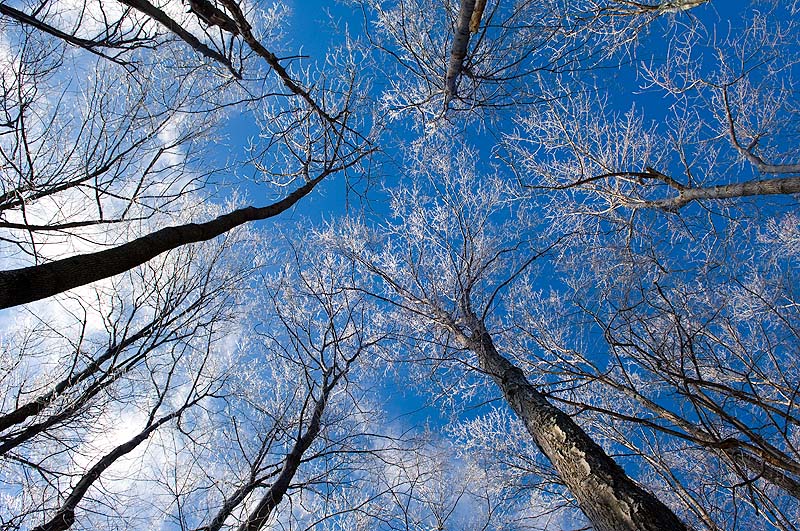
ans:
(459, 50)
(606, 495)
(786, 185)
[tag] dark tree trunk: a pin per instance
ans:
(277, 491)
(20, 286)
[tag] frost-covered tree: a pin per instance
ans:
(444, 259)
(582, 257)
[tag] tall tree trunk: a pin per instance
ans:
(475, 20)
(277, 491)
(786, 185)
(459, 50)
(606, 495)
(20, 286)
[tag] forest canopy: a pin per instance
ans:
(400, 265)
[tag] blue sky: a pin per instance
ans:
(313, 30)
(310, 33)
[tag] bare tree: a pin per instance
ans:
(65, 514)
(170, 306)
(671, 330)
(136, 164)
(71, 383)
(727, 129)
(295, 414)
(431, 488)
(454, 264)
(621, 266)
(478, 57)
(313, 132)
(438, 60)
(284, 417)
(715, 344)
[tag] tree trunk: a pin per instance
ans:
(20, 286)
(459, 51)
(606, 495)
(475, 20)
(786, 185)
(277, 491)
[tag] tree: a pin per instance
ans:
(447, 278)
(277, 417)
(726, 132)
(132, 149)
(436, 63)
(165, 308)
(317, 142)
(591, 206)
(441, 255)
(681, 308)
(696, 373)
(87, 386)
(479, 58)
(318, 332)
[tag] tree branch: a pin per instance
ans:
(28, 284)
(156, 14)
(459, 51)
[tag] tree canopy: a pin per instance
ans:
(466, 264)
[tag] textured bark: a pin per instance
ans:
(606, 495)
(475, 20)
(20, 286)
(787, 185)
(676, 6)
(459, 51)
